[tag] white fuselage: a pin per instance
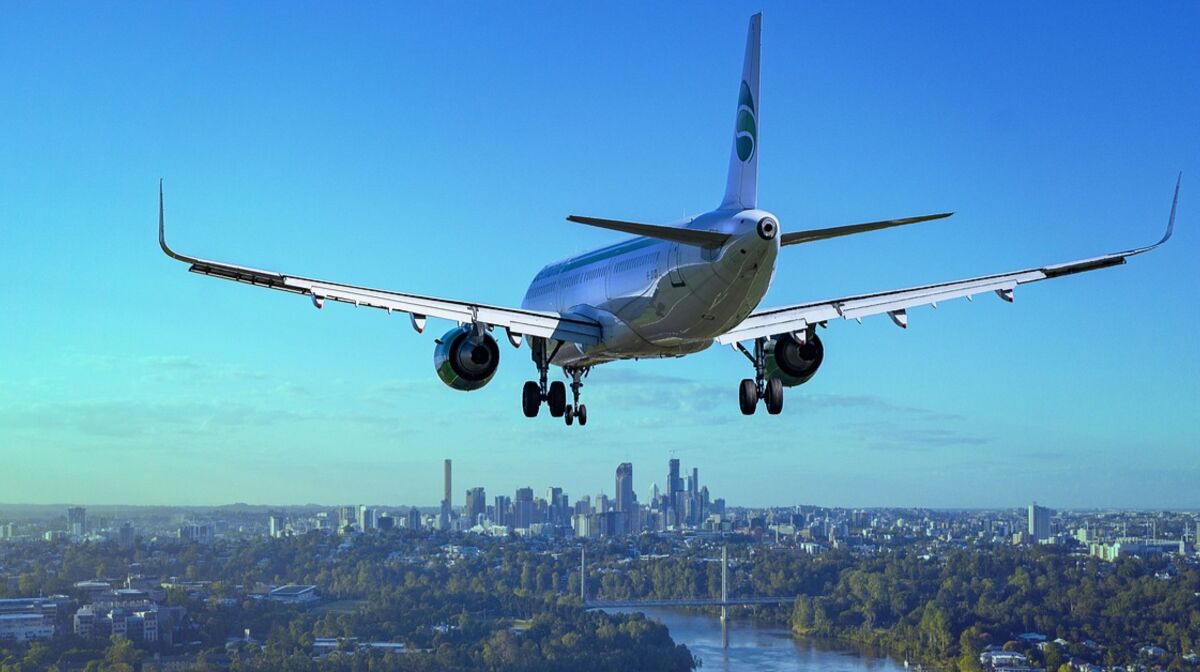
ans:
(657, 298)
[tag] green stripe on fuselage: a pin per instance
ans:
(607, 253)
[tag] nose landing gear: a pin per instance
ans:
(760, 388)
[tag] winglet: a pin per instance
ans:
(162, 234)
(1171, 219)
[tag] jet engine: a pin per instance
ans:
(465, 360)
(793, 362)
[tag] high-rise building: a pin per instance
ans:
(674, 484)
(502, 511)
(77, 520)
(474, 507)
(366, 518)
(126, 536)
(447, 506)
(624, 503)
(523, 508)
(275, 523)
(562, 504)
(347, 517)
(413, 521)
(1039, 522)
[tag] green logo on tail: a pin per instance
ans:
(745, 132)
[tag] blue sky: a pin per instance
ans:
(439, 151)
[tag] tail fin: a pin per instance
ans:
(741, 189)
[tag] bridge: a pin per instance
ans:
(724, 602)
(695, 602)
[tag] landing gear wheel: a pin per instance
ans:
(531, 399)
(569, 414)
(581, 413)
(748, 396)
(557, 398)
(774, 396)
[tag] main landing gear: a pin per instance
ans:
(554, 394)
(770, 391)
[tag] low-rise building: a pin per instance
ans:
(294, 594)
(136, 622)
(24, 627)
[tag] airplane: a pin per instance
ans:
(671, 291)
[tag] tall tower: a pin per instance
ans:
(475, 506)
(446, 494)
(1039, 522)
(673, 485)
(77, 520)
(625, 487)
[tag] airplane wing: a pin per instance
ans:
(517, 321)
(797, 318)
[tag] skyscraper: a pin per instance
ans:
(474, 507)
(347, 517)
(366, 518)
(1039, 522)
(275, 523)
(523, 508)
(447, 498)
(77, 520)
(502, 511)
(624, 503)
(555, 514)
(126, 537)
(673, 482)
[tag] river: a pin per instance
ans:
(764, 648)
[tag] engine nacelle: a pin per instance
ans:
(466, 362)
(793, 362)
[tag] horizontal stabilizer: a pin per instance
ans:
(797, 237)
(671, 233)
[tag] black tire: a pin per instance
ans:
(556, 399)
(581, 413)
(748, 396)
(531, 399)
(774, 396)
(569, 414)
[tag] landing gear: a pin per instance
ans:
(554, 394)
(531, 399)
(751, 391)
(774, 397)
(576, 410)
(748, 396)
(557, 399)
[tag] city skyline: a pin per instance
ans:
(649, 485)
(356, 131)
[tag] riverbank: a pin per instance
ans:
(746, 644)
